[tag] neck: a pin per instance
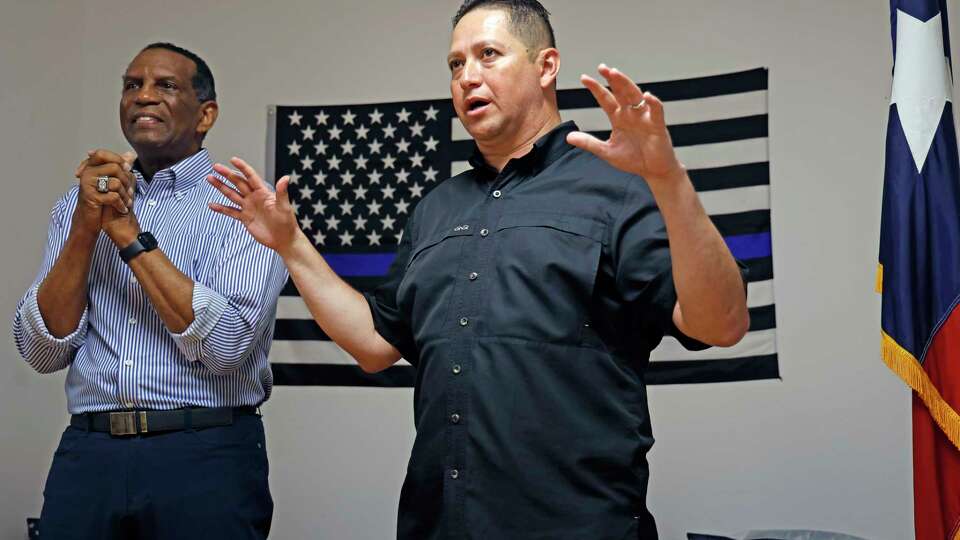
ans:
(150, 163)
(498, 155)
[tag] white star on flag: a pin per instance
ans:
(347, 147)
(374, 238)
(306, 191)
(318, 238)
(375, 177)
(332, 223)
(402, 206)
(416, 190)
(295, 119)
(361, 162)
(335, 132)
(375, 116)
(375, 147)
(402, 146)
(307, 163)
(346, 239)
(362, 132)
(346, 208)
(431, 143)
(333, 163)
(348, 117)
(921, 82)
(308, 133)
(417, 129)
(306, 223)
(388, 161)
(431, 113)
(321, 148)
(387, 192)
(416, 159)
(431, 174)
(388, 222)
(294, 177)
(347, 177)
(403, 115)
(294, 148)
(388, 131)
(374, 207)
(322, 118)
(402, 176)
(359, 223)
(333, 192)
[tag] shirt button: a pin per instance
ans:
(454, 474)
(496, 194)
(456, 369)
(178, 195)
(455, 418)
(133, 279)
(132, 320)
(129, 404)
(484, 232)
(128, 363)
(473, 276)
(151, 202)
(464, 321)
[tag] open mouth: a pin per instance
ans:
(146, 120)
(476, 105)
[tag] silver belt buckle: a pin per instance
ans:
(125, 423)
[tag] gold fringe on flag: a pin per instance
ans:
(879, 286)
(901, 362)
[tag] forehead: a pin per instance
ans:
(482, 25)
(161, 63)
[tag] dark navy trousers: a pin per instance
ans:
(206, 484)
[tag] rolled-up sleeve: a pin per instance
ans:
(388, 319)
(43, 351)
(235, 306)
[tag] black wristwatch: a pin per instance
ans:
(144, 242)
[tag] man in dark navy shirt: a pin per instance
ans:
(529, 292)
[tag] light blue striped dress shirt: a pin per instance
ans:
(121, 355)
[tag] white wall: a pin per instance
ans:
(827, 447)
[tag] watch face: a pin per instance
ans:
(147, 241)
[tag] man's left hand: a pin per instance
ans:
(639, 142)
(122, 228)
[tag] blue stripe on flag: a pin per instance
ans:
(749, 246)
(366, 264)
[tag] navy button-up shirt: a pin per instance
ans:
(530, 300)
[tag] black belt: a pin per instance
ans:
(139, 422)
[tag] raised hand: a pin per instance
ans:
(92, 204)
(639, 142)
(267, 216)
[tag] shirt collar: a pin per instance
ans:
(545, 151)
(183, 174)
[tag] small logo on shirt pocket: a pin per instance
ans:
(459, 228)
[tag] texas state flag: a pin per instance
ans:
(919, 271)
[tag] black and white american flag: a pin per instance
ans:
(357, 172)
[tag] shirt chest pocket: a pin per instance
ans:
(426, 290)
(544, 273)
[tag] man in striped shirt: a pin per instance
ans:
(162, 313)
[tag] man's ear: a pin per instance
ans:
(549, 61)
(209, 111)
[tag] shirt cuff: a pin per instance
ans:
(208, 307)
(34, 319)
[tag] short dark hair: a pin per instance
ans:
(529, 20)
(203, 83)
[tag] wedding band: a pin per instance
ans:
(638, 106)
(102, 184)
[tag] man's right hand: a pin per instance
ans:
(267, 216)
(120, 188)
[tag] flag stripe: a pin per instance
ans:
(733, 176)
(679, 372)
(760, 342)
(681, 89)
(749, 368)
